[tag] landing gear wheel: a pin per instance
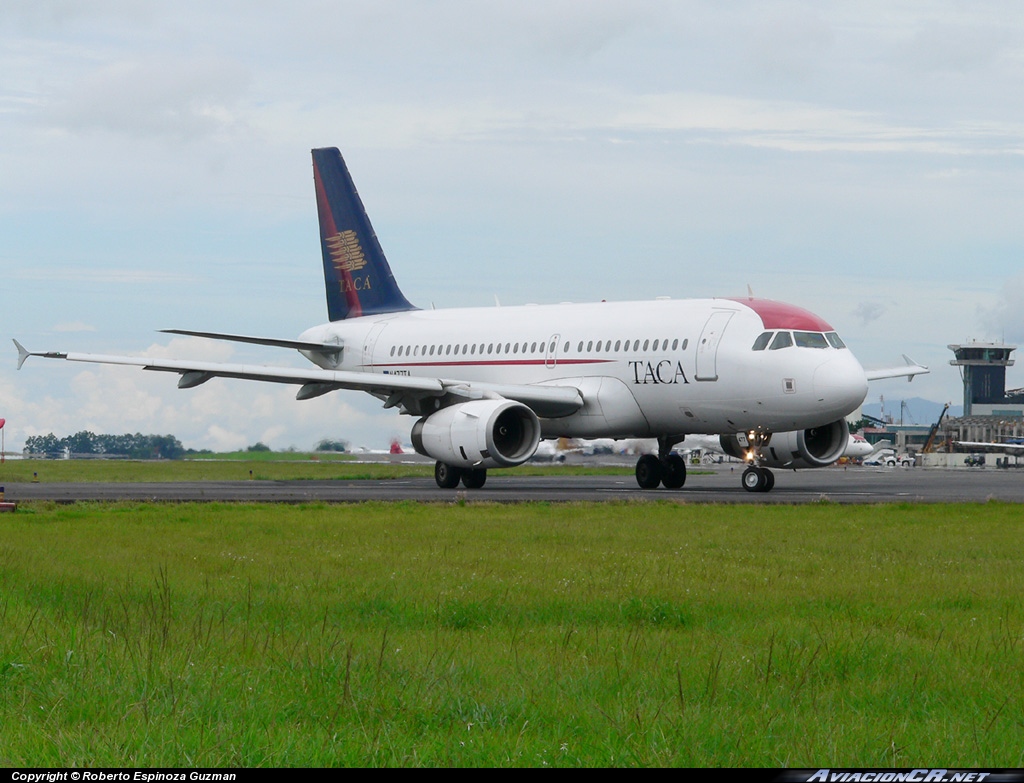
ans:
(474, 478)
(648, 471)
(758, 480)
(673, 471)
(447, 476)
(754, 480)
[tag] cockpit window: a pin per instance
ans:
(782, 340)
(834, 340)
(762, 341)
(810, 340)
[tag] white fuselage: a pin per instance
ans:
(663, 367)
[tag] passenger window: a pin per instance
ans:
(762, 341)
(834, 340)
(810, 340)
(782, 340)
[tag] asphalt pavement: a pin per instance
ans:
(718, 484)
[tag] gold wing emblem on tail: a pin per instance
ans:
(346, 252)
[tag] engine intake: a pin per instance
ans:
(479, 434)
(816, 447)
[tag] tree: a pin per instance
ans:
(332, 445)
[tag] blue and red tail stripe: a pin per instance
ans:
(358, 277)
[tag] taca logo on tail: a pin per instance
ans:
(358, 276)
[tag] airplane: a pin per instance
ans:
(488, 384)
(1014, 446)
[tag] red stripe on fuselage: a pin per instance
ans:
(779, 315)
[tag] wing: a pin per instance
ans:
(407, 392)
(908, 370)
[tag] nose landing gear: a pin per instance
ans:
(756, 478)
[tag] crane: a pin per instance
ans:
(930, 443)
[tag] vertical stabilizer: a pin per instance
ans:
(358, 278)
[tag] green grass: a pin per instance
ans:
(294, 467)
(530, 635)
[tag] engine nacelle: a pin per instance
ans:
(479, 434)
(817, 447)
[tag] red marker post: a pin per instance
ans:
(3, 442)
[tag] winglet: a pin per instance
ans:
(918, 368)
(908, 371)
(24, 353)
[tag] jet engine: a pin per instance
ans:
(817, 447)
(479, 434)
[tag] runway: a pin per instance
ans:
(853, 485)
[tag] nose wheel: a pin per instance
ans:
(757, 479)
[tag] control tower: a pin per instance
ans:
(983, 368)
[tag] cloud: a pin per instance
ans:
(1004, 320)
(181, 98)
(74, 326)
(870, 311)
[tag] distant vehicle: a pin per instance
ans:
(975, 461)
(888, 458)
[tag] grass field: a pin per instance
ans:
(529, 635)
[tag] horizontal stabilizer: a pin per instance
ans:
(298, 345)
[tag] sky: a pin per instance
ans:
(862, 160)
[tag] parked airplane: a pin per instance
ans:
(1014, 447)
(486, 385)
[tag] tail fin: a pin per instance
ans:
(358, 278)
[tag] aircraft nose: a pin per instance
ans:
(840, 383)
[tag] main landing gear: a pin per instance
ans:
(667, 469)
(756, 479)
(448, 476)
